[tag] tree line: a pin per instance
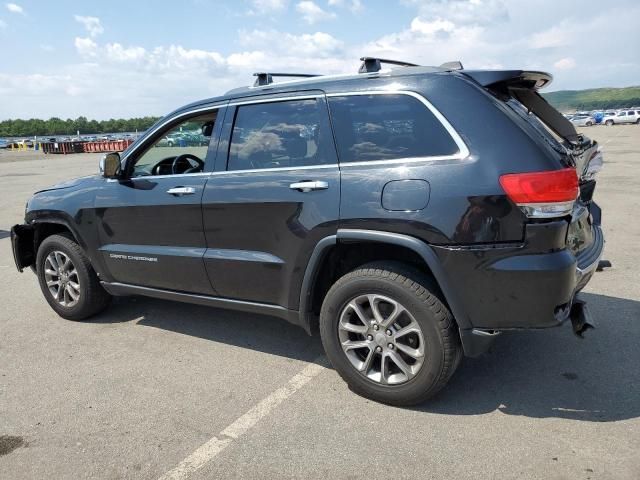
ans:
(608, 104)
(58, 126)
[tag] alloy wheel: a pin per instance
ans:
(62, 279)
(381, 339)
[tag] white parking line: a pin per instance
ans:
(207, 451)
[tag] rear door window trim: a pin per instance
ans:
(463, 150)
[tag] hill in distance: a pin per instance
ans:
(594, 98)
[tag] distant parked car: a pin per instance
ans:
(4, 143)
(582, 120)
(623, 116)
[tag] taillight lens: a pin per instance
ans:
(542, 194)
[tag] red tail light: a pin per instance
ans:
(542, 194)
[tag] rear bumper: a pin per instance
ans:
(521, 287)
(588, 259)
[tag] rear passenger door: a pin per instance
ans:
(275, 193)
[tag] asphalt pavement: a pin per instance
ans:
(154, 389)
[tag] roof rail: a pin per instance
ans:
(455, 65)
(373, 64)
(266, 78)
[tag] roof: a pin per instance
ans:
(320, 82)
(334, 82)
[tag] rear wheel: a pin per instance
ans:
(608, 123)
(388, 335)
(67, 280)
(589, 124)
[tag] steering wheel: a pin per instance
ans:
(186, 156)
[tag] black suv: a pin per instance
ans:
(409, 214)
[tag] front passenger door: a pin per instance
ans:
(273, 196)
(150, 221)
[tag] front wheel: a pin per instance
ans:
(388, 334)
(608, 123)
(67, 280)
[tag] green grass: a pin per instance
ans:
(594, 98)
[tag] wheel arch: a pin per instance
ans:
(37, 231)
(392, 242)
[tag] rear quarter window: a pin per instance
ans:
(387, 127)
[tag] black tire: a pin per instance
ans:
(589, 124)
(93, 298)
(419, 295)
(608, 123)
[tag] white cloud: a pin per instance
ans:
(556, 36)
(86, 47)
(268, 6)
(565, 63)
(91, 24)
(463, 12)
(318, 44)
(121, 79)
(45, 47)
(118, 53)
(14, 8)
(432, 27)
(353, 5)
(312, 13)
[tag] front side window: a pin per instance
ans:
(180, 149)
(387, 127)
(279, 135)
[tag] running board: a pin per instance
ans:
(120, 289)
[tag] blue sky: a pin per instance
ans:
(118, 59)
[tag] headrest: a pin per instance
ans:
(207, 129)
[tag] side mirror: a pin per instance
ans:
(110, 165)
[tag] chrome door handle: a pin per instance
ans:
(179, 191)
(309, 186)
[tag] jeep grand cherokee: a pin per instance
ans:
(409, 214)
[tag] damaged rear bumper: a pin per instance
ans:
(529, 292)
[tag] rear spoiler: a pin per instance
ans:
(523, 86)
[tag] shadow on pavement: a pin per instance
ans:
(257, 332)
(540, 374)
(552, 373)
(4, 234)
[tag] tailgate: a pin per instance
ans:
(518, 89)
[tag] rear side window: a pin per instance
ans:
(387, 127)
(283, 134)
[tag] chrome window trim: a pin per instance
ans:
(463, 150)
(171, 175)
(165, 123)
(276, 99)
(276, 169)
